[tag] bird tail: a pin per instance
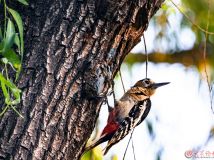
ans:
(102, 139)
(106, 149)
(95, 143)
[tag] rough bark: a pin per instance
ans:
(73, 50)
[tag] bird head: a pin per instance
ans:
(148, 87)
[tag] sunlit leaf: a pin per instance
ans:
(10, 35)
(4, 89)
(4, 60)
(5, 85)
(114, 157)
(97, 153)
(19, 23)
(13, 58)
(164, 6)
(87, 156)
(167, 8)
(17, 42)
(23, 2)
(15, 91)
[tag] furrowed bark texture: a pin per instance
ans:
(73, 49)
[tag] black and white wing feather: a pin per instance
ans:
(136, 115)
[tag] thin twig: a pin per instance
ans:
(128, 145)
(196, 25)
(204, 58)
(147, 58)
(121, 78)
(133, 129)
(133, 149)
(113, 93)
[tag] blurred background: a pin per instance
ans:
(181, 121)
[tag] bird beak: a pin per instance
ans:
(156, 85)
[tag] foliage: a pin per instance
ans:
(11, 52)
(191, 16)
(97, 152)
(94, 154)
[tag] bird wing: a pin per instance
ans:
(137, 114)
(148, 107)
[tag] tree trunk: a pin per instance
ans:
(73, 50)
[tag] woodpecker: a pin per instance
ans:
(129, 112)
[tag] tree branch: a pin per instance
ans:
(192, 57)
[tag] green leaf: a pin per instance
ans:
(164, 6)
(23, 2)
(4, 110)
(1, 35)
(17, 42)
(4, 89)
(19, 23)
(1, 46)
(86, 156)
(10, 35)
(16, 92)
(18, 73)
(97, 153)
(13, 58)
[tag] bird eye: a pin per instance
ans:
(147, 81)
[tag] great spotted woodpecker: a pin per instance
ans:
(129, 111)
